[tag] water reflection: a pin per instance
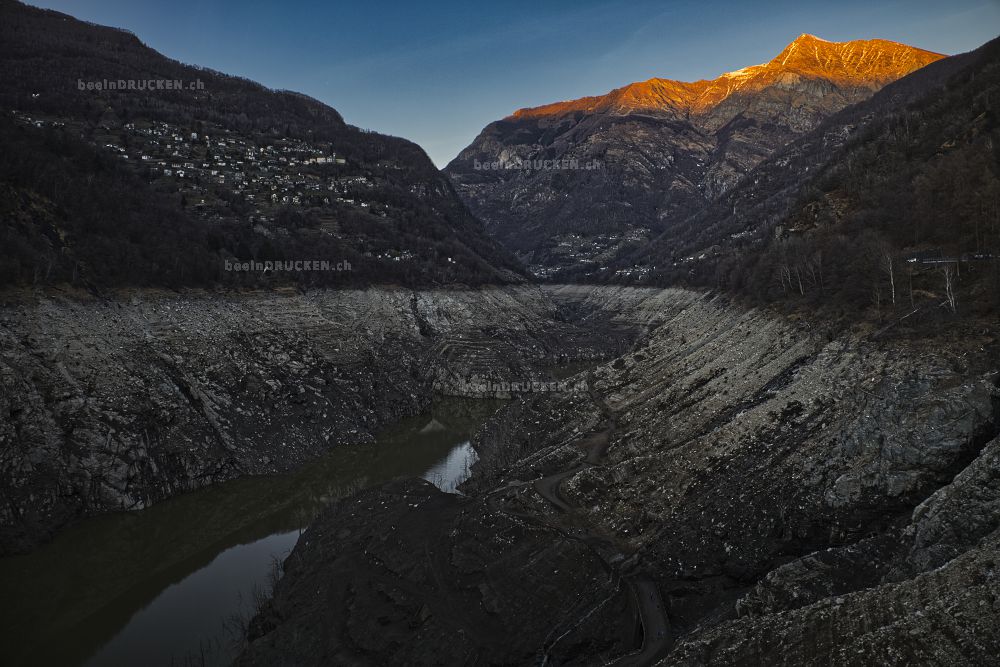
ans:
(157, 587)
(197, 620)
(454, 469)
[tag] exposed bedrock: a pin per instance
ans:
(408, 575)
(796, 495)
(109, 404)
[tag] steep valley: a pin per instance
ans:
(759, 472)
(711, 471)
(688, 373)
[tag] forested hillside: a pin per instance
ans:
(162, 187)
(889, 207)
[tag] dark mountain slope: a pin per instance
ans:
(161, 187)
(887, 191)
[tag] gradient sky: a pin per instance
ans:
(437, 72)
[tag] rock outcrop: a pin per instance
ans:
(409, 575)
(794, 494)
(115, 404)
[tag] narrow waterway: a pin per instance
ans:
(172, 584)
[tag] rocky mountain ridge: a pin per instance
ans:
(855, 64)
(904, 183)
(663, 149)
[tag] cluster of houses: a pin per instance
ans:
(25, 119)
(267, 172)
(575, 249)
(634, 272)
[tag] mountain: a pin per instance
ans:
(850, 66)
(626, 165)
(169, 183)
(891, 205)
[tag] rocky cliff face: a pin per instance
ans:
(115, 404)
(918, 601)
(628, 164)
(791, 494)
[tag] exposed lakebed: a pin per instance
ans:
(170, 584)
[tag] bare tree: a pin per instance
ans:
(784, 277)
(949, 285)
(814, 267)
(888, 265)
(909, 277)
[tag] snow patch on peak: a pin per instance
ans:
(807, 37)
(740, 73)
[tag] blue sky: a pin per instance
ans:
(437, 72)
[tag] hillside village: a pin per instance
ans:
(220, 173)
(576, 249)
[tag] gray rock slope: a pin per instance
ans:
(114, 404)
(795, 496)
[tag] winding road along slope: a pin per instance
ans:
(656, 637)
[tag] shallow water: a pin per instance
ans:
(170, 585)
